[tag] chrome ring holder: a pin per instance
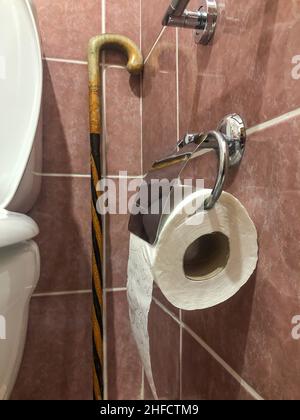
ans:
(204, 20)
(229, 141)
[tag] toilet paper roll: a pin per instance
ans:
(198, 262)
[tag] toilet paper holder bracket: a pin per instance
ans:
(228, 140)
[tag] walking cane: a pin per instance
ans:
(134, 66)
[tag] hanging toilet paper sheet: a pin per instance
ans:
(199, 261)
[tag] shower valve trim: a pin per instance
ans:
(203, 20)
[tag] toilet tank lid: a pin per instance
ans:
(16, 228)
(21, 81)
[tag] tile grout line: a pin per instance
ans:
(65, 61)
(141, 95)
(114, 66)
(54, 175)
(273, 122)
(57, 175)
(104, 123)
(209, 350)
(180, 355)
(105, 344)
(103, 16)
(125, 177)
(141, 119)
(115, 289)
(177, 83)
(142, 394)
(65, 293)
(141, 8)
(105, 357)
(178, 133)
(82, 63)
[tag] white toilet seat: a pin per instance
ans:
(16, 228)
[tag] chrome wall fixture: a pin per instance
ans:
(228, 140)
(203, 20)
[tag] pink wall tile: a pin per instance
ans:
(252, 76)
(123, 122)
(57, 363)
(165, 354)
(159, 101)
(117, 251)
(152, 15)
(63, 215)
(66, 26)
(124, 19)
(124, 366)
(66, 144)
(117, 242)
(203, 378)
(157, 294)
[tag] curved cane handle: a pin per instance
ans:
(135, 65)
(223, 151)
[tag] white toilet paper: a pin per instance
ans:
(198, 262)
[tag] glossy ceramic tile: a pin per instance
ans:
(159, 101)
(157, 294)
(247, 69)
(152, 15)
(66, 26)
(165, 354)
(66, 145)
(124, 367)
(123, 18)
(63, 215)
(117, 251)
(117, 243)
(123, 122)
(203, 378)
(57, 363)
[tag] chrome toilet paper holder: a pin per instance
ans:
(228, 140)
